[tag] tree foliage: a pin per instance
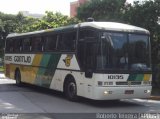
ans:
(106, 10)
(146, 15)
(20, 24)
(51, 20)
(6, 26)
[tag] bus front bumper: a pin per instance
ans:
(115, 93)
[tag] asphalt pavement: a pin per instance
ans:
(6, 81)
(28, 103)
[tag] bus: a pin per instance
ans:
(95, 60)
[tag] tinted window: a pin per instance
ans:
(90, 53)
(87, 33)
(81, 54)
(9, 45)
(36, 44)
(26, 44)
(50, 42)
(67, 41)
(17, 45)
(112, 51)
(139, 51)
(87, 48)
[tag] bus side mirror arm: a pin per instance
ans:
(88, 73)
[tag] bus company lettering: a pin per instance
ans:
(115, 77)
(25, 59)
(8, 58)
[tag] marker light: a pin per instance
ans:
(100, 83)
(147, 82)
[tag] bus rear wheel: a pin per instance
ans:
(18, 78)
(71, 90)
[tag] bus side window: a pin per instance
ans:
(9, 45)
(17, 45)
(83, 34)
(50, 42)
(67, 41)
(36, 44)
(26, 44)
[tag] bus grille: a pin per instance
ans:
(129, 83)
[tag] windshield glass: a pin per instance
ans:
(139, 52)
(112, 51)
(122, 51)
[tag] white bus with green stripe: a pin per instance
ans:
(95, 60)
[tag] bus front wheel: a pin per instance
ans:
(71, 90)
(18, 78)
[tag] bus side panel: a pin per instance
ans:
(46, 71)
(41, 71)
(68, 65)
(10, 70)
(36, 69)
(84, 85)
(7, 70)
(27, 74)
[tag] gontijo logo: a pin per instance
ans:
(67, 60)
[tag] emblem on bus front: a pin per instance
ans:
(67, 60)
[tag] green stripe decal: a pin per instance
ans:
(136, 77)
(46, 72)
(139, 77)
(41, 71)
(132, 77)
(45, 60)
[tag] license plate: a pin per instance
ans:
(129, 91)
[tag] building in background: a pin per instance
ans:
(28, 14)
(74, 6)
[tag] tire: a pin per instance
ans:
(18, 78)
(71, 90)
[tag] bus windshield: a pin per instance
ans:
(122, 51)
(139, 52)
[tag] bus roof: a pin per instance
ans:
(114, 26)
(111, 26)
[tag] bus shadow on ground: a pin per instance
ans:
(95, 103)
(81, 100)
(109, 103)
(13, 88)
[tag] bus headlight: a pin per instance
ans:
(107, 92)
(147, 91)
